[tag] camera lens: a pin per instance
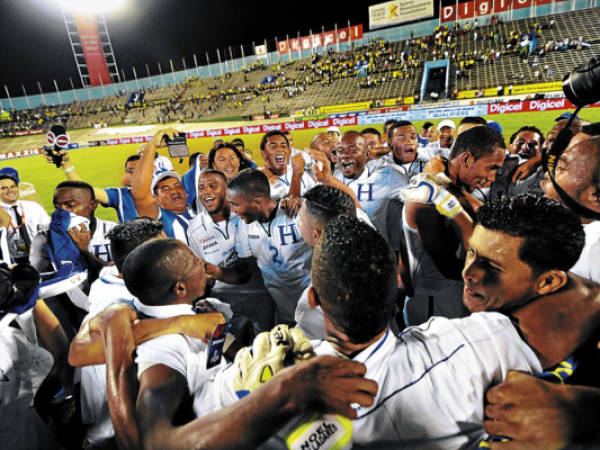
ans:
(582, 86)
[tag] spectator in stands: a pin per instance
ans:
(432, 243)
(24, 219)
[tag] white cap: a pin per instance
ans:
(334, 130)
(159, 176)
(446, 123)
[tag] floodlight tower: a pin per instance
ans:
(91, 46)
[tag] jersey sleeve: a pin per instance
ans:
(113, 197)
(242, 246)
(169, 350)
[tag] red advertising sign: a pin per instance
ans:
(466, 10)
(319, 39)
(518, 4)
(92, 49)
(542, 2)
(483, 7)
(448, 13)
(501, 5)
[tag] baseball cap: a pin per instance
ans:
(494, 126)
(566, 115)
(446, 123)
(11, 172)
(159, 176)
(334, 130)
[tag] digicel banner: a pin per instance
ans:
(319, 39)
(518, 4)
(92, 49)
(466, 9)
(533, 105)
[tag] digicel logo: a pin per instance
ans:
(344, 121)
(318, 123)
(294, 125)
(267, 128)
(509, 107)
(232, 131)
(543, 105)
(214, 133)
(251, 130)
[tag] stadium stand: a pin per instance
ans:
(487, 56)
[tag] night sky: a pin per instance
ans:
(34, 44)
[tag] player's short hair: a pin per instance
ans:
(132, 158)
(251, 182)
(213, 172)
(528, 128)
(553, 235)
(370, 131)
(266, 136)
(427, 125)
(593, 129)
(324, 203)
(388, 122)
(476, 120)
(478, 141)
(8, 177)
(76, 185)
(354, 276)
(244, 164)
(398, 124)
(239, 141)
(127, 236)
(192, 159)
(148, 271)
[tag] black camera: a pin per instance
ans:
(17, 285)
(582, 86)
(56, 157)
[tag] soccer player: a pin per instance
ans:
(438, 226)
(27, 218)
(211, 236)
(275, 151)
(323, 143)
(272, 238)
(374, 143)
(373, 182)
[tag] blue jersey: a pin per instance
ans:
(122, 201)
(175, 225)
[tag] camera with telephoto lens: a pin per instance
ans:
(582, 85)
(17, 285)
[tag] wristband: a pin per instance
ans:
(447, 204)
(70, 169)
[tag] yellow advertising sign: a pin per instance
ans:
(345, 108)
(466, 94)
(490, 92)
(408, 100)
(538, 87)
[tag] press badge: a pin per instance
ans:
(215, 345)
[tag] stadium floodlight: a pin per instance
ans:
(91, 6)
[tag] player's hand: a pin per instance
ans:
(291, 205)
(158, 140)
(321, 167)
(119, 316)
(526, 169)
(81, 236)
(530, 411)
(330, 384)
(212, 270)
(378, 152)
(256, 365)
(298, 164)
(200, 326)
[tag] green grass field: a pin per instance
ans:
(103, 166)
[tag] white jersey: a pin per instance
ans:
(214, 242)
(24, 365)
(99, 245)
(432, 380)
(107, 290)
(379, 182)
(588, 264)
(310, 320)
(179, 352)
(283, 258)
(281, 187)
